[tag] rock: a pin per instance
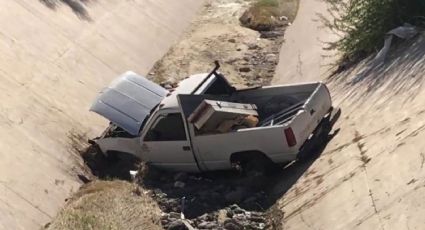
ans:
(232, 40)
(231, 60)
(167, 86)
(206, 217)
(174, 215)
(239, 211)
(222, 216)
(230, 213)
(271, 34)
(253, 46)
(181, 177)
(164, 222)
(245, 69)
(207, 225)
(231, 224)
(258, 219)
(177, 225)
(238, 49)
(179, 184)
(271, 58)
(170, 205)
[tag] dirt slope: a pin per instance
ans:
(245, 55)
(54, 59)
(371, 175)
(109, 205)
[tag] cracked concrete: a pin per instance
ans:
(52, 65)
(302, 57)
(382, 123)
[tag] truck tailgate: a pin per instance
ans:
(311, 114)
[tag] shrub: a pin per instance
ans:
(262, 15)
(363, 23)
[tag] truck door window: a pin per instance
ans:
(167, 128)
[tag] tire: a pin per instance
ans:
(259, 166)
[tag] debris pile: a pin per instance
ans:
(207, 202)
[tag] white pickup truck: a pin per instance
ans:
(150, 122)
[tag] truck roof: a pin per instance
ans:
(186, 86)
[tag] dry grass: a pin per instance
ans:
(264, 15)
(289, 8)
(108, 205)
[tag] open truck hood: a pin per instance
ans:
(128, 101)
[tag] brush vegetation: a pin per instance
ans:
(108, 205)
(263, 15)
(364, 23)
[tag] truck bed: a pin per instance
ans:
(295, 108)
(276, 105)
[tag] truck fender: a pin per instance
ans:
(129, 146)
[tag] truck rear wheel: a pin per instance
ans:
(320, 135)
(253, 164)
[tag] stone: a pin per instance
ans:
(168, 86)
(171, 205)
(164, 222)
(231, 224)
(207, 225)
(222, 216)
(232, 40)
(174, 215)
(206, 217)
(271, 58)
(253, 46)
(231, 60)
(271, 34)
(230, 213)
(177, 225)
(245, 69)
(238, 211)
(179, 184)
(258, 219)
